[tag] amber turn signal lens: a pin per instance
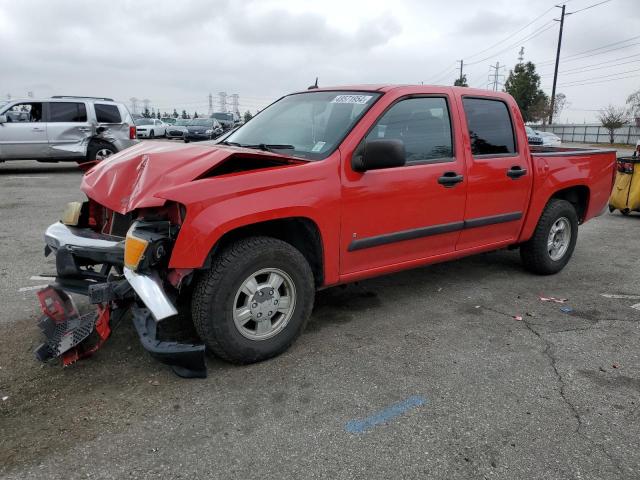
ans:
(134, 249)
(71, 213)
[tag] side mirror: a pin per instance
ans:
(377, 154)
(3, 119)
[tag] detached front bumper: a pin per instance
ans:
(78, 248)
(78, 251)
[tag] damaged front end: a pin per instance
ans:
(120, 273)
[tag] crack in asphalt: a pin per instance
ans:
(548, 352)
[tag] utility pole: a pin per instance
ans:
(134, 104)
(210, 104)
(496, 76)
(461, 65)
(222, 96)
(555, 72)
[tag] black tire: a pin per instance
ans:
(625, 212)
(535, 254)
(98, 147)
(152, 134)
(215, 293)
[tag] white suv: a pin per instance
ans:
(81, 129)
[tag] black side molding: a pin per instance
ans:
(421, 232)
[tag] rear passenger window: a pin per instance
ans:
(490, 127)
(67, 112)
(423, 125)
(107, 113)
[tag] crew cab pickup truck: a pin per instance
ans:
(323, 187)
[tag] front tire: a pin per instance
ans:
(553, 241)
(254, 301)
(152, 134)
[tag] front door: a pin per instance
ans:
(24, 134)
(498, 174)
(68, 129)
(396, 215)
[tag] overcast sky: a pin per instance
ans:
(176, 52)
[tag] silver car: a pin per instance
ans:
(80, 129)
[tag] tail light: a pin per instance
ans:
(132, 132)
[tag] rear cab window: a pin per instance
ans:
(107, 113)
(72, 112)
(490, 127)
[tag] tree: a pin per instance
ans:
(612, 118)
(542, 108)
(175, 113)
(185, 115)
(523, 84)
(195, 114)
(247, 116)
(146, 113)
(461, 81)
(633, 102)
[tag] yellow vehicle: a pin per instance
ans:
(626, 189)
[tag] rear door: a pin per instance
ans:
(397, 215)
(499, 177)
(24, 135)
(68, 129)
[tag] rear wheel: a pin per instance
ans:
(98, 151)
(254, 301)
(554, 239)
(152, 134)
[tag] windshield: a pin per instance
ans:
(223, 116)
(530, 131)
(182, 122)
(144, 121)
(200, 122)
(309, 125)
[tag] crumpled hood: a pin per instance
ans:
(132, 178)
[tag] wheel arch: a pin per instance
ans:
(300, 232)
(578, 196)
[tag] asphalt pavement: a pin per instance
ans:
(452, 371)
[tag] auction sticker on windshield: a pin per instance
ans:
(357, 99)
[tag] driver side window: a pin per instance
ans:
(29, 112)
(424, 127)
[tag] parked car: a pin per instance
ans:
(178, 129)
(532, 137)
(549, 139)
(227, 119)
(368, 180)
(202, 129)
(150, 128)
(60, 128)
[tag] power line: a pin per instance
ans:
(582, 68)
(512, 34)
(587, 8)
(531, 36)
(597, 82)
(596, 49)
(576, 71)
(603, 76)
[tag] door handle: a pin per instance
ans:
(450, 179)
(516, 172)
(37, 129)
(84, 129)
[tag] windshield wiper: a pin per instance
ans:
(233, 144)
(268, 147)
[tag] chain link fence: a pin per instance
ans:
(593, 133)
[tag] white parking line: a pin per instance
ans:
(621, 295)
(38, 277)
(26, 178)
(35, 287)
(636, 306)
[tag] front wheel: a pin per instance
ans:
(554, 239)
(254, 301)
(152, 134)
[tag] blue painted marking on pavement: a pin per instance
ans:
(383, 416)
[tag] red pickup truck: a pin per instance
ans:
(323, 187)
